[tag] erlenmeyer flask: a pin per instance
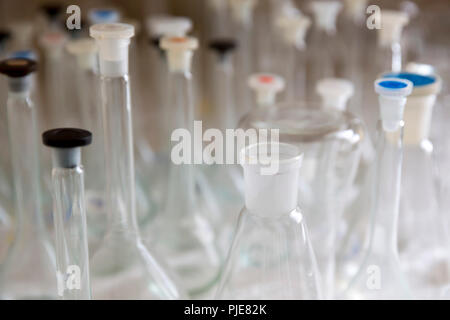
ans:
(184, 233)
(423, 242)
(380, 275)
(72, 256)
(322, 134)
(122, 267)
(29, 269)
(271, 256)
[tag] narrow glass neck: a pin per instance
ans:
(181, 192)
(119, 159)
(72, 256)
(223, 88)
(387, 189)
(25, 162)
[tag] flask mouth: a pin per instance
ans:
(271, 158)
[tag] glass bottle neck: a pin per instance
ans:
(387, 189)
(72, 256)
(119, 158)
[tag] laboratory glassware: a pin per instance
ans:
(324, 135)
(294, 28)
(84, 52)
(29, 269)
(380, 275)
(325, 48)
(265, 86)
(122, 267)
(271, 256)
(424, 245)
(184, 233)
(69, 213)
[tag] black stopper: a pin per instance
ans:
(17, 67)
(67, 138)
(154, 41)
(222, 46)
(52, 10)
(5, 35)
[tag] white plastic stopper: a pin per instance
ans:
(392, 23)
(112, 41)
(355, 9)
(420, 68)
(335, 92)
(294, 28)
(179, 52)
(392, 99)
(266, 87)
(84, 51)
(242, 10)
(419, 107)
(168, 26)
(325, 14)
(271, 173)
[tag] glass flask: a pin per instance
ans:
(183, 232)
(69, 213)
(380, 275)
(29, 269)
(122, 267)
(423, 242)
(84, 52)
(271, 256)
(324, 48)
(328, 137)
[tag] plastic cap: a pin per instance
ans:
(223, 46)
(167, 26)
(392, 23)
(4, 36)
(271, 172)
(294, 29)
(325, 14)
(422, 84)
(335, 92)
(17, 67)
(52, 10)
(67, 138)
(112, 40)
(26, 54)
(179, 52)
(355, 9)
(420, 68)
(392, 99)
(266, 85)
(393, 87)
(85, 52)
(103, 16)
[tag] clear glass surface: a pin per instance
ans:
(69, 214)
(380, 275)
(122, 267)
(29, 269)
